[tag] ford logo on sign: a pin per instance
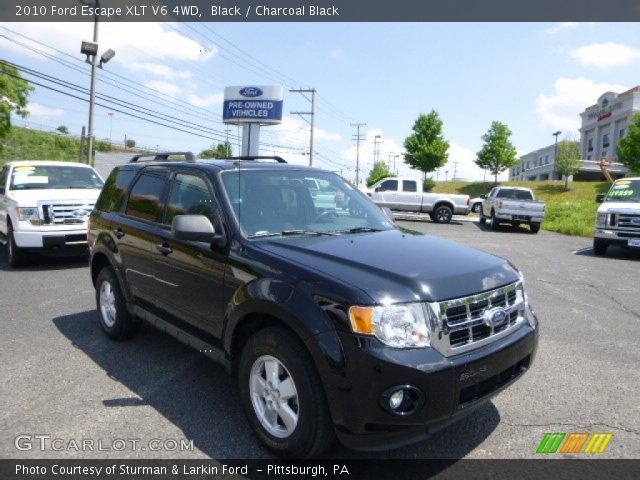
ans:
(250, 92)
(495, 317)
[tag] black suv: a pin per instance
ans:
(335, 322)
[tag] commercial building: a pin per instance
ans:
(602, 127)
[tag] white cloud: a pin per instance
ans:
(561, 27)
(561, 108)
(335, 53)
(161, 70)
(167, 88)
(38, 110)
(605, 55)
(206, 101)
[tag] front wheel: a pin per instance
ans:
(282, 395)
(477, 208)
(115, 319)
(534, 227)
(443, 214)
(599, 247)
(16, 257)
(494, 221)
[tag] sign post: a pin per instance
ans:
(252, 107)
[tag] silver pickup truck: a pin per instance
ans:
(512, 205)
(405, 194)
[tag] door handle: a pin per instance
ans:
(164, 248)
(118, 233)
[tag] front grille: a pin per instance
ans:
(491, 384)
(65, 213)
(464, 323)
(626, 220)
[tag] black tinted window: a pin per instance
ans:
(514, 194)
(146, 195)
(409, 186)
(114, 191)
(3, 176)
(389, 186)
(190, 195)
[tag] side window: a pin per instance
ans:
(409, 186)
(492, 192)
(190, 195)
(389, 186)
(3, 178)
(114, 191)
(146, 196)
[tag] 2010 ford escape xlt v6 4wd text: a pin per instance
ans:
(335, 322)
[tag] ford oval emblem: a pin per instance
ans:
(250, 92)
(495, 317)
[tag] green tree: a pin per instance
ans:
(629, 146)
(497, 153)
(14, 92)
(426, 149)
(379, 171)
(568, 161)
(63, 129)
(222, 150)
(131, 143)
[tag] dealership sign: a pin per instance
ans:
(605, 107)
(253, 104)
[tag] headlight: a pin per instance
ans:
(400, 326)
(29, 214)
(521, 295)
(601, 219)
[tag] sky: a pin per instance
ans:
(535, 77)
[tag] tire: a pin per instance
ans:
(476, 208)
(600, 247)
(534, 227)
(515, 224)
(442, 214)
(16, 257)
(115, 319)
(483, 219)
(312, 431)
(494, 222)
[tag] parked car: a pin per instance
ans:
(406, 194)
(335, 325)
(512, 205)
(44, 206)
(618, 218)
(476, 204)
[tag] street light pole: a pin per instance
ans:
(111, 114)
(92, 95)
(555, 152)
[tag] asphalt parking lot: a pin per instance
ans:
(63, 378)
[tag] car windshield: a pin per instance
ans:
(624, 191)
(277, 203)
(49, 177)
(514, 194)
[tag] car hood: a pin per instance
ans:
(619, 206)
(397, 266)
(30, 198)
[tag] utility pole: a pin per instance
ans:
(92, 95)
(455, 170)
(358, 138)
(312, 114)
(227, 145)
(376, 151)
(111, 114)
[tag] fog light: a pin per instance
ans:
(395, 400)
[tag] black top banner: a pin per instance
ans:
(319, 10)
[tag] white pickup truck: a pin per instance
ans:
(406, 194)
(45, 206)
(512, 205)
(618, 218)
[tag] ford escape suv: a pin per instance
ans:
(335, 322)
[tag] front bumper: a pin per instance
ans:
(451, 387)
(616, 237)
(52, 240)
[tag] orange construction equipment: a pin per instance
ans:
(604, 166)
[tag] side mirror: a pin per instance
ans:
(195, 228)
(378, 189)
(483, 196)
(600, 198)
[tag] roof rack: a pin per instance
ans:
(259, 157)
(164, 157)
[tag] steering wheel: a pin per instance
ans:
(327, 214)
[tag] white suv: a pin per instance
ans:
(45, 206)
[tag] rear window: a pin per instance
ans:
(513, 194)
(145, 200)
(114, 191)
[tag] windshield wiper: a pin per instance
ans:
(359, 230)
(285, 233)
